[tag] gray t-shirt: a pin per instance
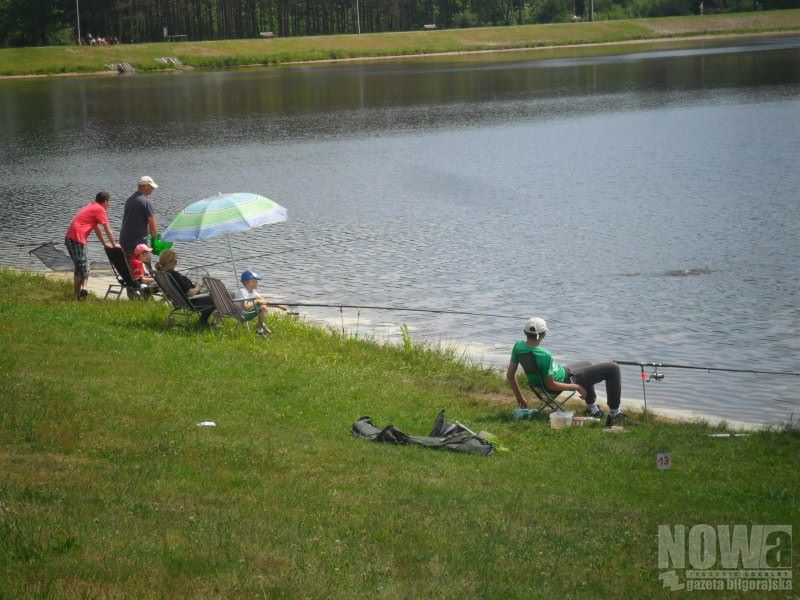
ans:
(134, 222)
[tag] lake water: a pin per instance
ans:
(646, 204)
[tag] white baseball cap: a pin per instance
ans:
(147, 180)
(535, 326)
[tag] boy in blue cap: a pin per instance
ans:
(254, 305)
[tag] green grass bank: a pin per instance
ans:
(108, 489)
(232, 53)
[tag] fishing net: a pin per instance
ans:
(54, 257)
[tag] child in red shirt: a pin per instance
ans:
(141, 255)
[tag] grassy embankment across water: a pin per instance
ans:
(231, 53)
(109, 489)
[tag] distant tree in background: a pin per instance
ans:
(48, 22)
(33, 23)
(659, 8)
(549, 11)
(465, 18)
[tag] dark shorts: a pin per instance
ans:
(77, 252)
(250, 314)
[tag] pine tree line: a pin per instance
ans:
(46, 22)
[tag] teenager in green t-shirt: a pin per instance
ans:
(580, 377)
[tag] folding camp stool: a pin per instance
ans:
(549, 400)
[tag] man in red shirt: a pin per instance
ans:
(90, 218)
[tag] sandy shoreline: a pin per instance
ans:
(102, 278)
(98, 283)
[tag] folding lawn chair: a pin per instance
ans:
(549, 400)
(181, 305)
(223, 303)
(125, 280)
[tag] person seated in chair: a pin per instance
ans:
(141, 255)
(580, 376)
(254, 304)
(167, 261)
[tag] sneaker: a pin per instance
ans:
(619, 419)
(263, 331)
(594, 415)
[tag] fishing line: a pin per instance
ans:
(656, 375)
(402, 309)
(656, 365)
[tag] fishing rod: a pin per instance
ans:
(401, 309)
(660, 376)
(656, 375)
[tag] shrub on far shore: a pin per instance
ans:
(464, 19)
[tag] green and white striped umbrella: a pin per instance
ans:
(223, 214)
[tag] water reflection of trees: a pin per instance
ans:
(307, 102)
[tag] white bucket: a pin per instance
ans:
(560, 420)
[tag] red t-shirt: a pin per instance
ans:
(137, 268)
(89, 217)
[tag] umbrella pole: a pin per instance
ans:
(233, 262)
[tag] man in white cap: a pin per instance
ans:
(138, 217)
(580, 377)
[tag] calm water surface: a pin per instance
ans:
(576, 188)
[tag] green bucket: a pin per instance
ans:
(158, 245)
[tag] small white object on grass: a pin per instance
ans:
(206, 424)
